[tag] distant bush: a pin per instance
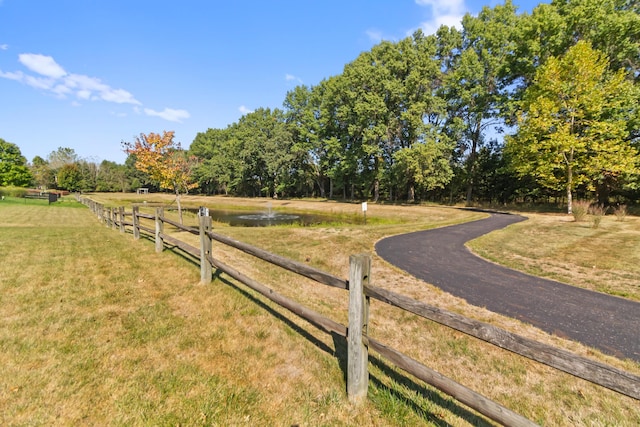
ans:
(597, 212)
(620, 212)
(580, 209)
(13, 191)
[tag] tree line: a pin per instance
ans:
(539, 106)
(63, 169)
(510, 107)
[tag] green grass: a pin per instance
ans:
(98, 329)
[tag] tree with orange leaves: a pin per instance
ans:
(165, 161)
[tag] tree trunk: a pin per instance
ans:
(570, 182)
(320, 183)
(376, 190)
(569, 195)
(471, 168)
(411, 197)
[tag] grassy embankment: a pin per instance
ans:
(99, 329)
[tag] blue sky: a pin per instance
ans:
(88, 74)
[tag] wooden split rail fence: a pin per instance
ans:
(356, 333)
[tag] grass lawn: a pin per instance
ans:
(98, 329)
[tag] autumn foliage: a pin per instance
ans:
(164, 160)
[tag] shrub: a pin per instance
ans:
(597, 212)
(580, 209)
(620, 212)
(13, 191)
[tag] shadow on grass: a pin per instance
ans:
(403, 389)
(387, 373)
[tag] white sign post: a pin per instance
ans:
(364, 211)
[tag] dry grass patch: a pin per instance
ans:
(100, 330)
(180, 352)
(604, 259)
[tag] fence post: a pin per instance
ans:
(136, 223)
(110, 217)
(205, 249)
(121, 215)
(357, 350)
(159, 228)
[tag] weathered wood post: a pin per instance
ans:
(357, 350)
(136, 223)
(110, 217)
(205, 249)
(159, 228)
(121, 215)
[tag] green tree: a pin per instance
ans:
(70, 177)
(89, 172)
(573, 125)
(263, 142)
(477, 80)
(424, 166)
(13, 166)
(111, 177)
(218, 169)
(44, 177)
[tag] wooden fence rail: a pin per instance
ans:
(356, 334)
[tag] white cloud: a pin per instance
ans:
(169, 114)
(86, 87)
(42, 64)
(292, 78)
(39, 82)
(51, 77)
(119, 96)
(443, 12)
(17, 76)
(374, 35)
(244, 110)
(4, 46)
(443, 6)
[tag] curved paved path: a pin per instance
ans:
(439, 257)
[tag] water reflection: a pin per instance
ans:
(265, 219)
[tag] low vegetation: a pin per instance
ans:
(99, 329)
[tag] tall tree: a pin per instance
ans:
(70, 177)
(476, 84)
(111, 177)
(62, 156)
(424, 166)
(218, 169)
(573, 126)
(165, 161)
(44, 177)
(13, 166)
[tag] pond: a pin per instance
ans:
(266, 218)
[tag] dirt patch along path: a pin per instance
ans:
(439, 257)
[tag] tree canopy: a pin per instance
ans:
(13, 166)
(165, 161)
(573, 126)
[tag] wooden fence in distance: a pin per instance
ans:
(356, 334)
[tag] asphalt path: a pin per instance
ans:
(439, 257)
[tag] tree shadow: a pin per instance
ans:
(339, 351)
